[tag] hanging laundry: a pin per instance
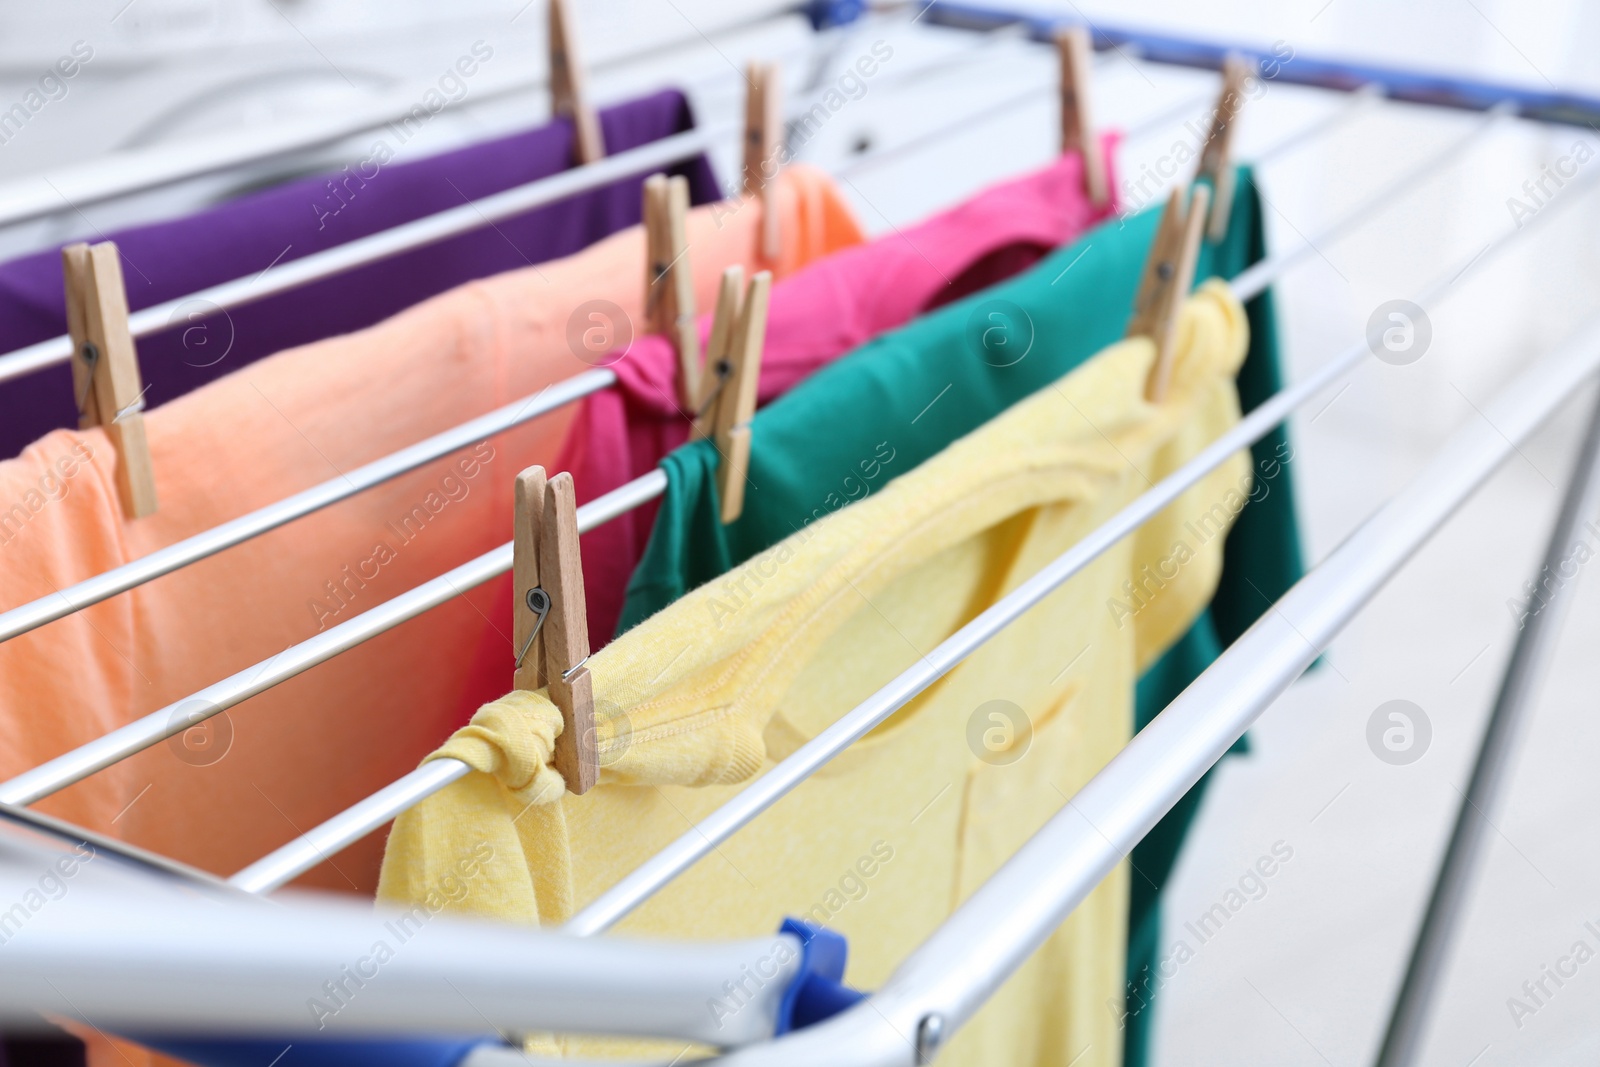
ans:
(815, 317)
(223, 794)
(825, 444)
(254, 233)
(884, 842)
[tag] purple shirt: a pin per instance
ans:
(244, 236)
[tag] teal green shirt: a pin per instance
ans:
(880, 410)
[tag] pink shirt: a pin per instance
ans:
(817, 315)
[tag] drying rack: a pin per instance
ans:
(210, 956)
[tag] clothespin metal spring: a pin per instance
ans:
(538, 602)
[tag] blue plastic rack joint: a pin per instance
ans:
(818, 992)
(826, 13)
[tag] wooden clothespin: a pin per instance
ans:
(567, 96)
(1076, 53)
(719, 348)
(669, 284)
(763, 141)
(105, 367)
(550, 624)
(1216, 157)
(733, 371)
(1168, 276)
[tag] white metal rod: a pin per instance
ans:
(407, 236)
(26, 617)
(124, 173)
(378, 246)
(1255, 278)
(20, 620)
(136, 736)
(148, 955)
(1147, 125)
(944, 982)
(136, 170)
(648, 878)
(1005, 107)
(303, 853)
(309, 849)
(140, 734)
(1343, 112)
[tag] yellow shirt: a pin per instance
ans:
(886, 840)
